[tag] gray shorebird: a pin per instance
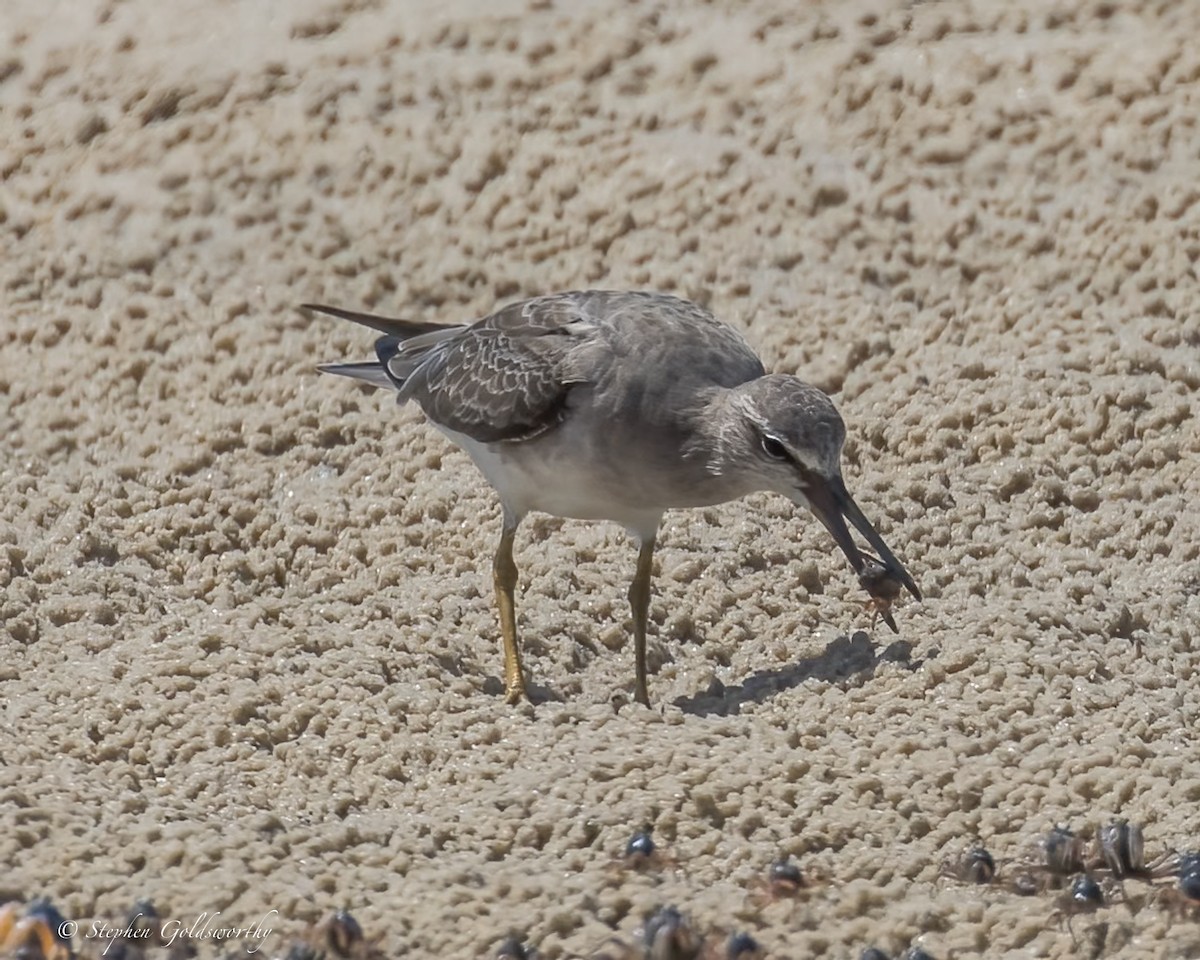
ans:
(603, 405)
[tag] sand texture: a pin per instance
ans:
(250, 656)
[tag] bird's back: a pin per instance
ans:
(658, 349)
(509, 377)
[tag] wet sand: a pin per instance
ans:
(250, 658)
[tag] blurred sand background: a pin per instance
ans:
(249, 656)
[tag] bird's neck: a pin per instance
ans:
(717, 435)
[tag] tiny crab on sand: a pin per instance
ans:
(884, 587)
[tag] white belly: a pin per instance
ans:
(547, 476)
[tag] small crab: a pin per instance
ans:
(1186, 863)
(337, 935)
(642, 854)
(641, 850)
(1121, 849)
(666, 935)
(883, 587)
(340, 933)
(742, 946)
(784, 880)
(1183, 897)
(973, 865)
(1062, 851)
(1059, 856)
(513, 948)
(40, 932)
(1085, 895)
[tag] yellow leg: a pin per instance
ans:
(504, 576)
(639, 600)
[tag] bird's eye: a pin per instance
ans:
(773, 447)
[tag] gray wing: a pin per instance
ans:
(503, 378)
(508, 377)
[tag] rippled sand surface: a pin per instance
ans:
(250, 659)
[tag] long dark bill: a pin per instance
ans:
(833, 505)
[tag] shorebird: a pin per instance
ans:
(605, 405)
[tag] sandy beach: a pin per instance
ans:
(251, 666)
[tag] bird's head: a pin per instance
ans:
(786, 436)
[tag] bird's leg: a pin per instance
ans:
(639, 600)
(504, 576)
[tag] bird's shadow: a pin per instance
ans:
(847, 660)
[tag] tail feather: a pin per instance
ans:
(403, 348)
(393, 327)
(371, 372)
